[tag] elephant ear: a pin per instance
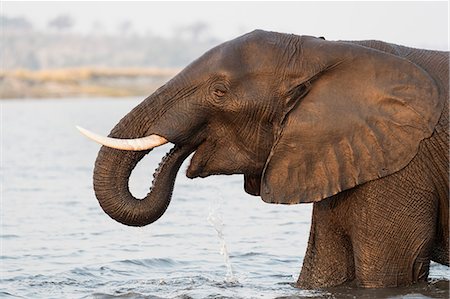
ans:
(361, 120)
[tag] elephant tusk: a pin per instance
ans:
(138, 144)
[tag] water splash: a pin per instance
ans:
(215, 219)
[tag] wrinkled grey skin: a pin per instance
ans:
(359, 128)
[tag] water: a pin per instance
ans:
(56, 242)
(215, 219)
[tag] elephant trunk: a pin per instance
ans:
(113, 168)
(111, 174)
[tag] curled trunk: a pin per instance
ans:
(113, 168)
(111, 175)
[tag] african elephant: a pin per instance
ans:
(359, 128)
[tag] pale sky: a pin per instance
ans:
(417, 24)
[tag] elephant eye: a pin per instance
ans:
(219, 93)
(219, 90)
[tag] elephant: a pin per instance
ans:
(358, 128)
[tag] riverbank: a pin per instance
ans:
(82, 82)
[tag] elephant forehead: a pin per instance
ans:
(239, 55)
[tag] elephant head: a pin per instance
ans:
(300, 117)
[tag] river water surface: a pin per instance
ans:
(214, 241)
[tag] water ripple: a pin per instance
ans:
(152, 263)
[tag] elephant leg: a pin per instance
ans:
(393, 233)
(329, 257)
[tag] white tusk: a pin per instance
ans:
(138, 144)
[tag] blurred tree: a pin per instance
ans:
(31, 61)
(16, 23)
(194, 32)
(39, 50)
(61, 23)
(97, 28)
(198, 30)
(125, 27)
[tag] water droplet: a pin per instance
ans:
(215, 219)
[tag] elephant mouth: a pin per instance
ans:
(206, 162)
(200, 166)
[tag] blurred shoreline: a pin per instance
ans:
(82, 82)
(59, 62)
